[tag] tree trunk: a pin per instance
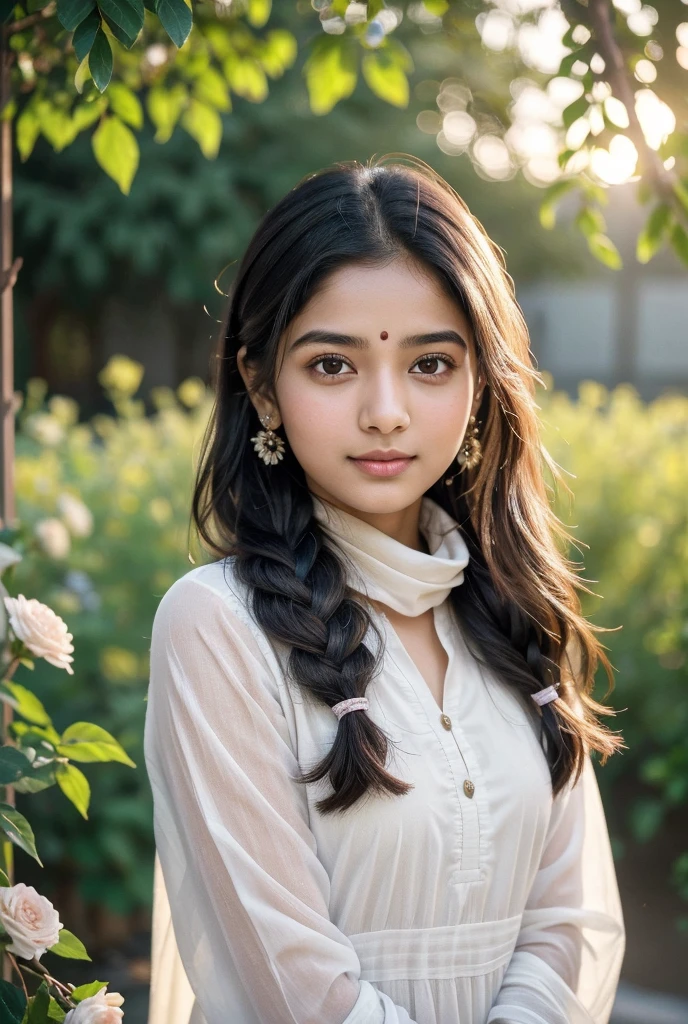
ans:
(8, 273)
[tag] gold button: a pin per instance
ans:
(446, 721)
(468, 787)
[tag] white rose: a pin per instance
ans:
(102, 1008)
(43, 632)
(29, 919)
(46, 429)
(76, 514)
(53, 536)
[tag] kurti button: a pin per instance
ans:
(468, 787)
(446, 721)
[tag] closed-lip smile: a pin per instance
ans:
(383, 455)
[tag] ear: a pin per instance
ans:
(265, 407)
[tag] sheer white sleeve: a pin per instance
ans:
(247, 893)
(568, 956)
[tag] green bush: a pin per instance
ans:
(629, 466)
(134, 472)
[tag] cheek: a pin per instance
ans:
(310, 414)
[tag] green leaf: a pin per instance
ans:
(605, 251)
(28, 128)
(85, 34)
(164, 109)
(25, 703)
(82, 76)
(681, 192)
(83, 116)
(12, 1003)
(39, 1005)
(4, 880)
(120, 35)
(574, 110)
(651, 237)
(331, 72)
(84, 741)
(85, 991)
(277, 52)
(679, 242)
(44, 737)
(258, 12)
(55, 1012)
(75, 786)
(71, 13)
(69, 947)
(117, 151)
(176, 18)
(385, 72)
(552, 194)
(100, 60)
(205, 126)
(40, 778)
(211, 88)
(591, 221)
(13, 764)
(246, 78)
(125, 104)
(126, 14)
(17, 829)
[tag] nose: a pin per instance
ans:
(384, 405)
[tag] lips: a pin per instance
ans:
(383, 455)
(383, 462)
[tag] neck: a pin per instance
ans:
(402, 525)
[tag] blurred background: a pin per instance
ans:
(116, 309)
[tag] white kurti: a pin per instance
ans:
(436, 907)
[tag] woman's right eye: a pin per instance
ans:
(331, 366)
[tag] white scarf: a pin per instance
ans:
(388, 571)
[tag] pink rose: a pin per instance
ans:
(29, 919)
(102, 1008)
(43, 632)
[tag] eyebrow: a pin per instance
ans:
(318, 336)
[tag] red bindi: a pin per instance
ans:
(384, 335)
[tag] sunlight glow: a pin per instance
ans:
(617, 164)
(656, 119)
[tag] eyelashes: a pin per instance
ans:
(430, 357)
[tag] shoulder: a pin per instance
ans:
(210, 603)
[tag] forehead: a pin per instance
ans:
(401, 297)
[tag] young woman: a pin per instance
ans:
(370, 719)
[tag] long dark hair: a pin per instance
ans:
(519, 605)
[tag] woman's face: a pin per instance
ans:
(377, 378)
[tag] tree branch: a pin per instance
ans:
(617, 75)
(21, 976)
(9, 278)
(31, 19)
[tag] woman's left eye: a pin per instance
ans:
(433, 366)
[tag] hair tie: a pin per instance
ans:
(352, 704)
(546, 695)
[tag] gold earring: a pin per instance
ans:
(470, 452)
(267, 444)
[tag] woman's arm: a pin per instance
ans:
(566, 965)
(249, 896)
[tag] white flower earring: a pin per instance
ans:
(267, 444)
